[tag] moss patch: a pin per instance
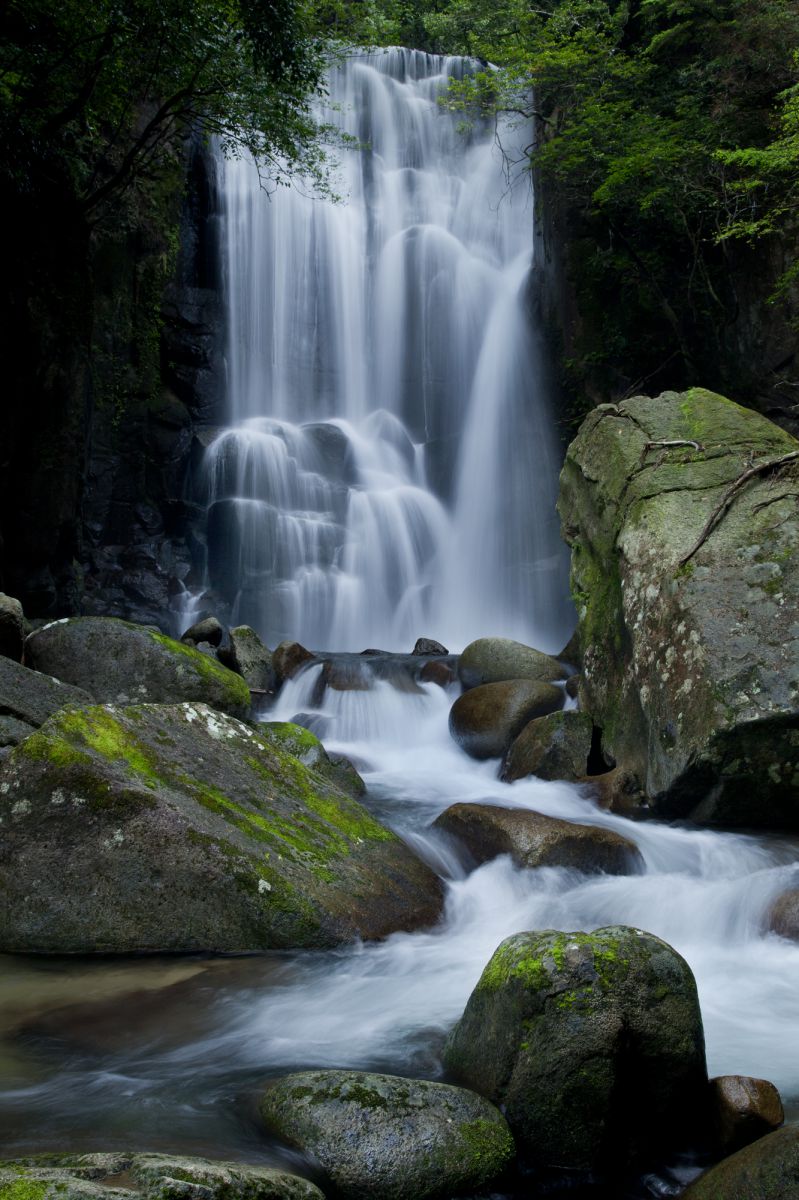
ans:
(207, 668)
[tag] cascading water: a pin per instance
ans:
(390, 466)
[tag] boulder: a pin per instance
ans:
(428, 646)
(303, 744)
(485, 720)
(534, 840)
(288, 658)
(115, 661)
(28, 698)
(766, 1170)
(250, 658)
(153, 1176)
(690, 651)
(743, 1110)
(379, 1137)
(553, 747)
(12, 628)
(591, 1044)
(177, 828)
(208, 630)
(493, 660)
(619, 791)
(783, 917)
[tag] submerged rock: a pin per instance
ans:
(116, 661)
(440, 673)
(766, 1170)
(534, 840)
(12, 628)
(691, 663)
(743, 1110)
(386, 1138)
(28, 698)
(250, 658)
(783, 917)
(494, 660)
(553, 747)
(592, 1045)
(154, 1176)
(176, 828)
(485, 720)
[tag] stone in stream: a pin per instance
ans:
(380, 1137)
(177, 828)
(783, 916)
(151, 1176)
(534, 840)
(742, 1110)
(690, 652)
(494, 660)
(440, 673)
(485, 720)
(207, 630)
(768, 1169)
(591, 1044)
(249, 657)
(116, 661)
(427, 646)
(556, 746)
(12, 627)
(28, 698)
(288, 659)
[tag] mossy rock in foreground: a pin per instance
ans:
(152, 1176)
(119, 662)
(766, 1170)
(591, 1043)
(176, 828)
(380, 1137)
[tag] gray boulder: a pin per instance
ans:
(303, 744)
(177, 828)
(553, 747)
(534, 840)
(742, 1110)
(485, 720)
(428, 646)
(28, 698)
(783, 918)
(386, 1138)
(766, 1170)
(493, 660)
(117, 662)
(208, 630)
(250, 658)
(152, 1176)
(591, 1044)
(691, 664)
(12, 628)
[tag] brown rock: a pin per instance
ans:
(552, 747)
(289, 658)
(784, 915)
(619, 791)
(743, 1110)
(437, 672)
(485, 720)
(534, 840)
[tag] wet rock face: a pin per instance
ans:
(592, 1044)
(117, 662)
(766, 1170)
(691, 667)
(177, 828)
(534, 840)
(153, 1176)
(386, 1138)
(743, 1110)
(250, 658)
(552, 747)
(493, 660)
(485, 720)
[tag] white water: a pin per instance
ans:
(389, 470)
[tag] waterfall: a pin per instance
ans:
(389, 467)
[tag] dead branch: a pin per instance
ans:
(732, 491)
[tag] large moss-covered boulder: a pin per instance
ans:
(592, 1044)
(118, 662)
(113, 1176)
(766, 1170)
(535, 840)
(28, 698)
(495, 659)
(380, 1137)
(176, 828)
(553, 747)
(691, 659)
(485, 720)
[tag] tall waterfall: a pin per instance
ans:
(389, 469)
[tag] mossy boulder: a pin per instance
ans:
(380, 1137)
(177, 828)
(301, 743)
(494, 659)
(766, 1170)
(592, 1045)
(535, 840)
(152, 1176)
(742, 1110)
(486, 719)
(249, 657)
(118, 662)
(28, 698)
(691, 665)
(556, 746)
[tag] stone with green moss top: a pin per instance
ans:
(177, 828)
(381, 1137)
(117, 661)
(591, 1043)
(306, 746)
